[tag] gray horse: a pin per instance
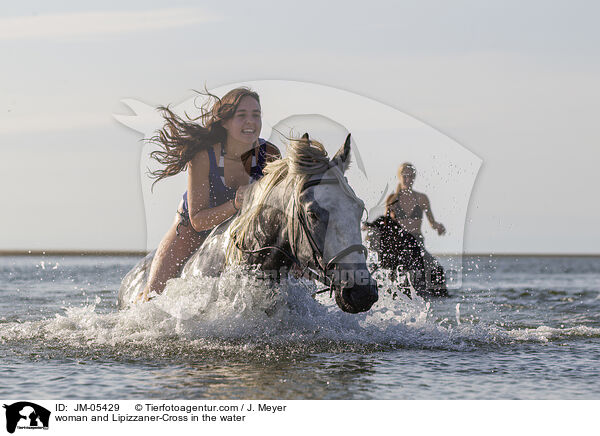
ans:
(302, 216)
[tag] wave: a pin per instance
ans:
(239, 312)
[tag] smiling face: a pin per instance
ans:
(245, 125)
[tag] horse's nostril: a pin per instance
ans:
(361, 298)
(355, 289)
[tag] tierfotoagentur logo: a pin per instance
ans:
(26, 415)
(382, 138)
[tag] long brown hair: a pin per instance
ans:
(181, 139)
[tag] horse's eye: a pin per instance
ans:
(312, 215)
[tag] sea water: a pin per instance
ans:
(516, 328)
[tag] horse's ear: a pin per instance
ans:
(305, 137)
(342, 157)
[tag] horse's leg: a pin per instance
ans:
(172, 253)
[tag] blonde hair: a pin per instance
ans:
(408, 166)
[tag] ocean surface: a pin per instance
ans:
(513, 328)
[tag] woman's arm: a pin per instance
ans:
(202, 216)
(439, 227)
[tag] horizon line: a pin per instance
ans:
(6, 253)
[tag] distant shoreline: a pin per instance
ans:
(7, 253)
(71, 253)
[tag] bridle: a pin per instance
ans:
(318, 256)
(323, 267)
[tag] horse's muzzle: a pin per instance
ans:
(356, 292)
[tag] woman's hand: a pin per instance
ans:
(440, 228)
(142, 297)
(240, 194)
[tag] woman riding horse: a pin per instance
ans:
(301, 217)
(398, 239)
(223, 154)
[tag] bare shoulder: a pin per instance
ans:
(199, 163)
(391, 199)
(198, 176)
(422, 198)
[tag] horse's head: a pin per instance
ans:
(304, 213)
(328, 235)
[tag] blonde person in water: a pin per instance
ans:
(407, 206)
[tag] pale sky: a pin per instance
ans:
(514, 83)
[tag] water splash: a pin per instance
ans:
(240, 313)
